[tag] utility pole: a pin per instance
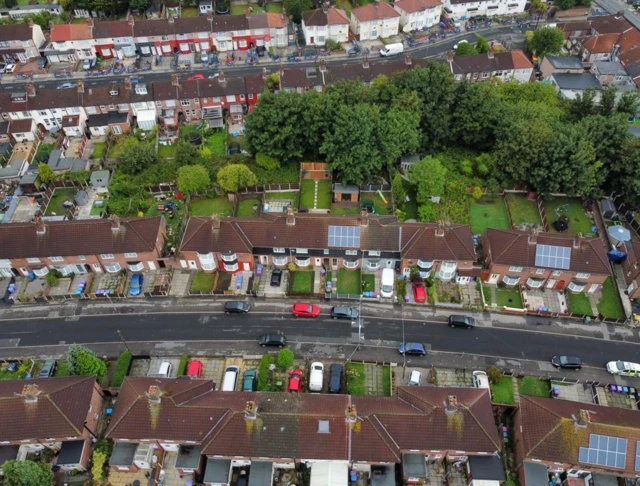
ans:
(123, 341)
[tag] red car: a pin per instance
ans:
(301, 309)
(419, 292)
(195, 76)
(194, 370)
(295, 381)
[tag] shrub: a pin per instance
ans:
(430, 281)
(482, 169)
(83, 361)
(182, 367)
(267, 162)
(97, 469)
(333, 45)
(477, 193)
(432, 294)
(263, 372)
(291, 266)
(466, 167)
(122, 368)
(495, 375)
(285, 358)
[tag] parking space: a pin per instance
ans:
(108, 284)
(155, 363)
(270, 291)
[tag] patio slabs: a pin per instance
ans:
(488, 212)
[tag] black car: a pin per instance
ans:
(335, 378)
(344, 313)
(276, 277)
(568, 362)
(461, 321)
(236, 307)
(272, 340)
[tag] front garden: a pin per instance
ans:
(301, 282)
(508, 297)
(349, 281)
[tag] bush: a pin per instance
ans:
(466, 167)
(333, 45)
(122, 368)
(285, 358)
(263, 372)
(83, 361)
(267, 162)
(477, 193)
(97, 469)
(432, 294)
(182, 367)
(495, 375)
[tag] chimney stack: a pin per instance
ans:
(323, 66)
(131, 20)
(582, 420)
(351, 414)
(80, 86)
(40, 226)
(376, 3)
(325, 7)
(577, 243)
(31, 90)
(364, 218)
(251, 410)
(30, 393)
(115, 222)
(451, 406)
(365, 62)
(170, 19)
(175, 81)
(291, 217)
(533, 236)
(440, 229)
(30, 22)
(51, 25)
(407, 59)
(209, 15)
(154, 394)
(128, 85)
(215, 221)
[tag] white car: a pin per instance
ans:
(415, 379)
(623, 368)
(480, 380)
(316, 377)
(9, 68)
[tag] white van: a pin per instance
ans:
(392, 49)
(315, 377)
(386, 282)
(165, 370)
(415, 378)
(230, 378)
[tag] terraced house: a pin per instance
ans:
(20, 42)
(314, 240)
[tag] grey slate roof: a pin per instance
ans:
(613, 68)
(565, 62)
(576, 81)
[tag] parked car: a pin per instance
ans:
(204, 57)
(419, 292)
(165, 370)
(295, 382)
(413, 349)
(48, 369)
(461, 321)
(65, 86)
(86, 64)
(335, 378)
(276, 277)
(135, 287)
(249, 381)
(272, 340)
(568, 362)
(341, 312)
(236, 307)
(3, 66)
(9, 68)
(300, 309)
(194, 369)
(316, 377)
(623, 368)
(415, 379)
(195, 76)
(480, 380)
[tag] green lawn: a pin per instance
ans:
(214, 141)
(77, 20)
(488, 212)
(579, 222)
(189, 12)
(302, 282)
(368, 282)
(579, 304)
(349, 281)
(379, 205)
(308, 191)
(220, 205)
(509, 298)
(62, 369)
(245, 208)
(410, 208)
(167, 151)
(609, 304)
(240, 9)
(98, 150)
(202, 282)
(503, 392)
(60, 195)
(351, 211)
(530, 385)
(43, 152)
(523, 210)
(355, 378)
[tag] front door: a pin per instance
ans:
(318, 262)
(334, 262)
(96, 267)
(152, 265)
(246, 266)
(551, 283)
(264, 259)
(311, 40)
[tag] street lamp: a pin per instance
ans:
(123, 341)
(404, 355)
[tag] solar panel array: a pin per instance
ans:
(344, 236)
(553, 256)
(638, 456)
(605, 451)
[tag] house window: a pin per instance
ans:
(60, 259)
(302, 251)
(136, 267)
(509, 280)
(241, 97)
(196, 100)
(303, 262)
(130, 255)
(426, 265)
(107, 256)
(372, 264)
(231, 98)
(374, 253)
(112, 267)
(556, 273)
(82, 257)
(583, 275)
(159, 104)
(540, 271)
(123, 107)
(281, 260)
(278, 250)
(447, 270)
(41, 272)
(170, 103)
(351, 252)
(250, 96)
(231, 268)
(33, 260)
(515, 269)
(576, 287)
(185, 102)
(229, 258)
(535, 283)
(116, 130)
(207, 262)
(350, 263)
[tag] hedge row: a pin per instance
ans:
(122, 368)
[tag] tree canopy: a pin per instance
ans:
(136, 156)
(193, 179)
(234, 176)
(27, 473)
(546, 40)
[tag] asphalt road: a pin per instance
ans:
(376, 331)
(511, 35)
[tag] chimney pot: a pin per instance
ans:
(31, 90)
(170, 19)
(291, 217)
(215, 221)
(533, 236)
(41, 229)
(251, 410)
(80, 86)
(577, 243)
(115, 223)
(175, 81)
(264, 73)
(323, 66)
(364, 218)
(221, 78)
(30, 393)
(154, 394)
(451, 405)
(351, 414)
(490, 54)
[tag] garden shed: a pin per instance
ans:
(345, 192)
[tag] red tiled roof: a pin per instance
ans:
(287, 426)
(333, 16)
(22, 125)
(59, 411)
(412, 6)
(599, 44)
(374, 11)
(512, 247)
(111, 29)
(484, 63)
(609, 24)
(550, 431)
(275, 21)
(68, 32)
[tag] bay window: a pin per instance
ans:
(535, 283)
(510, 280)
(303, 262)
(583, 275)
(279, 260)
(112, 267)
(136, 266)
(207, 262)
(372, 264)
(447, 270)
(576, 287)
(41, 272)
(231, 267)
(232, 258)
(350, 263)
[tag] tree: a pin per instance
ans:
(607, 101)
(83, 361)
(285, 358)
(398, 134)
(234, 176)
(628, 104)
(398, 191)
(136, 156)
(540, 6)
(97, 467)
(477, 115)
(27, 473)
(546, 40)
(139, 5)
(428, 177)
(193, 179)
(466, 49)
(45, 173)
(482, 44)
(295, 8)
(187, 154)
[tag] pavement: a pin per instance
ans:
(504, 33)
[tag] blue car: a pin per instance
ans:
(414, 349)
(135, 287)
